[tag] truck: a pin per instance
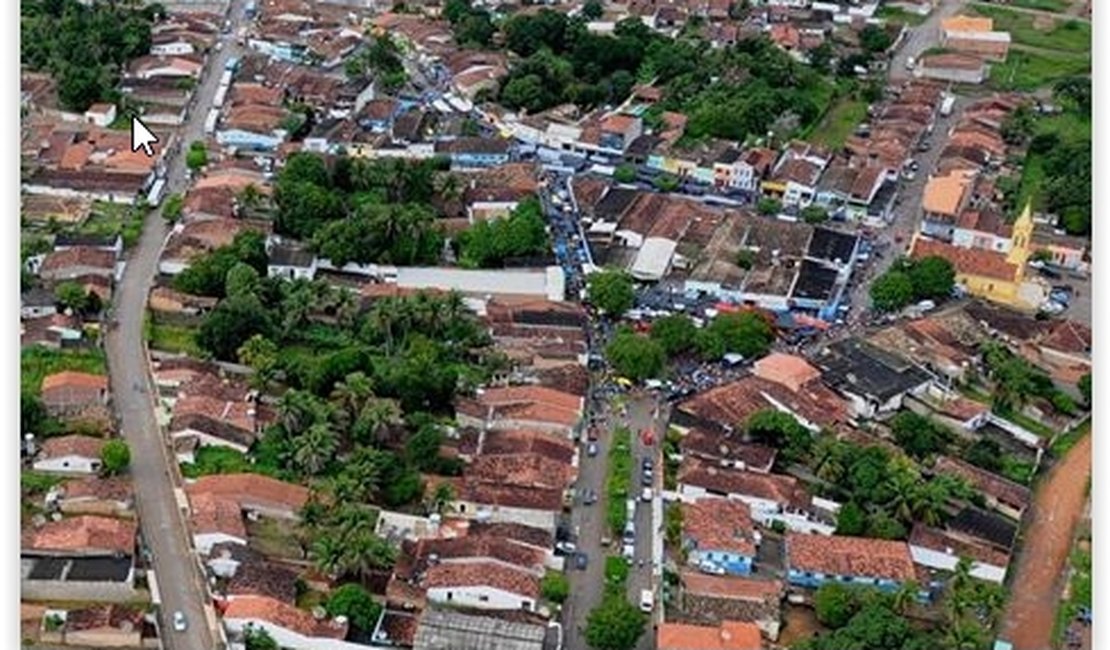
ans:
(221, 95)
(231, 64)
(210, 121)
(947, 105)
(225, 78)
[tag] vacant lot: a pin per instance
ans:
(1054, 6)
(38, 362)
(1063, 34)
(841, 120)
(1029, 71)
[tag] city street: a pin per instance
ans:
(921, 38)
(643, 414)
(180, 584)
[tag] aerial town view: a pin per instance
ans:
(556, 324)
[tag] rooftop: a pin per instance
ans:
(967, 261)
(784, 490)
(1004, 490)
(83, 534)
(72, 445)
(282, 615)
(858, 367)
(486, 574)
(443, 630)
(719, 525)
(839, 555)
(730, 635)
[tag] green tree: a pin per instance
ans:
(625, 173)
(891, 291)
(636, 357)
(666, 182)
(592, 10)
(814, 214)
(918, 435)
(615, 624)
(490, 243)
(835, 604)
(241, 279)
(232, 323)
(851, 520)
(354, 602)
(875, 39)
(197, 155)
(555, 587)
(1084, 386)
(611, 291)
(115, 456)
(932, 277)
(985, 453)
(780, 430)
(173, 207)
(72, 296)
(261, 354)
(768, 207)
(259, 639)
(746, 333)
(676, 333)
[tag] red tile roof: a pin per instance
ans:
(779, 489)
(719, 525)
(483, 574)
(1007, 492)
(283, 615)
(82, 534)
(839, 555)
(71, 379)
(967, 261)
(730, 635)
(79, 256)
(1069, 336)
(251, 491)
(73, 445)
(731, 587)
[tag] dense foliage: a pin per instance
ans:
(611, 291)
(615, 624)
(364, 211)
(635, 356)
(928, 278)
(490, 243)
(84, 45)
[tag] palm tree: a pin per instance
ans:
(347, 308)
(298, 410)
(927, 502)
(365, 552)
(297, 306)
(376, 419)
(352, 394)
(444, 494)
(250, 197)
(327, 551)
(964, 636)
(315, 448)
(905, 597)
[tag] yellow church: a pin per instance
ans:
(990, 257)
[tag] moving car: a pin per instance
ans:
(565, 548)
(581, 561)
(179, 623)
(591, 449)
(647, 601)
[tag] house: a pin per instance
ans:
(942, 550)
(509, 504)
(522, 407)
(813, 560)
(709, 600)
(148, 67)
(728, 405)
(1065, 351)
(66, 241)
(984, 229)
(217, 505)
(474, 152)
(246, 572)
(211, 431)
(729, 635)
(796, 174)
(720, 533)
(101, 114)
(790, 370)
(1001, 494)
(974, 36)
(944, 197)
(73, 454)
(980, 526)
(995, 276)
(37, 303)
(70, 393)
(81, 536)
(956, 68)
(97, 626)
(57, 331)
(290, 626)
(619, 130)
(770, 497)
(71, 263)
(290, 261)
(873, 381)
(482, 585)
(726, 448)
(107, 496)
(438, 629)
(1065, 251)
(168, 301)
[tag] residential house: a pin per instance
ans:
(217, 505)
(66, 241)
(377, 115)
(813, 560)
(254, 127)
(873, 381)
(437, 629)
(289, 260)
(796, 174)
(522, 407)
(944, 198)
(98, 626)
(106, 496)
(37, 303)
(178, 67)
(975, 525)
(849, 190)
(246, 572)
(941, 550)
(474, 152)
(499, 503)
(1066, 251)
(1065, 351)
(101, 114)
(482, 585)
(72, 263)
(727, 448)
(719, 533)
(81, 558)
(210, 431)
(728, 405)
(770, 497)
(746, 171)
(984, 229)
(619, 130)
(72, 454)
(169, 302)
(288, 625)
(709, 600)
(729, 635)
(86, 162)
(974, 36)
(995, 276)
(956, 68)
(1001, 494)
(70, 393)
(57, 331)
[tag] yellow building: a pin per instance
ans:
(998, 277)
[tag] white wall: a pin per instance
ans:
(72, 464)
(544, 519)
(209, 440)
(172, 49)
(947, 562)
(481, 597)
(290, 639)
(204, 542)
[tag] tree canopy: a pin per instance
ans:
(615, 624)
(676, 333)
(635, 356)
(931, 278)
(115, 456)
(611, 291)
(353, 601)
(490, 243)
(747, 333)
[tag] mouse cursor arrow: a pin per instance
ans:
(141, 137)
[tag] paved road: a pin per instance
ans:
(153, 472)
(894, 240)
(643, 413)
(1041, 568)
(921, 38)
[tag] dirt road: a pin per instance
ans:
(1041, 569)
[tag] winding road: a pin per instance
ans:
(155, 475)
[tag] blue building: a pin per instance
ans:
(475, 153)
(718, 536)
(813, 560)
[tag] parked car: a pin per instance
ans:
(179, 622)
(565, 548)
(646, 495)
(591, 449)
(710, 568)
(581, 560)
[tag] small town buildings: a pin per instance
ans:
(729, 635)
(708, 600)
(97, 626)
(942, 550)
(290, 626)
(1001, 494)
(813, 560)
(443, 628)
(719, 533)
(873, 381)
(218, 503)
(81, 558)
(956, 68)
(481, 585)
(974, 36)
(73, 263)
(105, 496)
(70, 393)
(72, 454)
(101, 114)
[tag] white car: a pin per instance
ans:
(179, 623)
(566, 548)
(711, 569)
